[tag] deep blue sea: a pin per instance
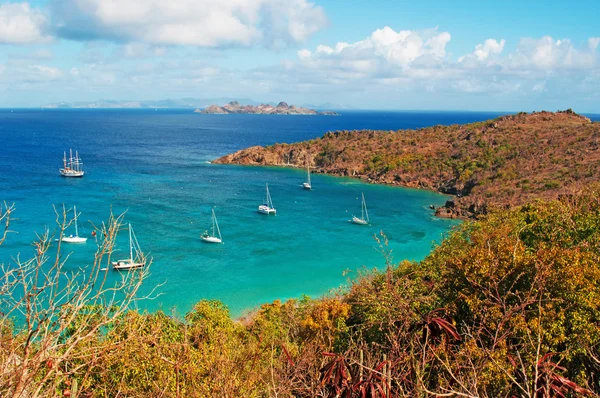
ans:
(155, 166)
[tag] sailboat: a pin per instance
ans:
(74, 238)
(307, 185)
(364, 214)
(267, 207)
(206, 237)
(132, 262)
(73, 167)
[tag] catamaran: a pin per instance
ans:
(206, 237)
(73, 167)
(74, 238)
(364, 214)
(307, 185)
(267, 207)
(132, 262)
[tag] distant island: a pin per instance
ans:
(500, 163)
(282, 108)
(182, 103)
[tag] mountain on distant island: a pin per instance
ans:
(234, 107)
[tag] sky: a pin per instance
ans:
(403, 55)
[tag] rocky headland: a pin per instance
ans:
(282, 108)
(499, 163)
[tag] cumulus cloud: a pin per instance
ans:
(550, 54)
(384, 46)
(386, 56)
(419, 59)
(204, 23)
(483, 51)
(21, 24)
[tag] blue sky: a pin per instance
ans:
(510, 55)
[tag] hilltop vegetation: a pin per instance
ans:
(506, 306)
(499, 163)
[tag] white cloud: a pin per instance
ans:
(547, 54)
(21, 24)
(408, 57)
(483, 51)
(44, 73)
(23, 75)
(384, 54)
(204, 23)
(304, 54)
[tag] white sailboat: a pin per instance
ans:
(73, 167)
(74, 238)
(307, 185)
(267, 207)
(364, 214)
(132, 262)
(206, 237)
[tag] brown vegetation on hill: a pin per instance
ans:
(499, 163)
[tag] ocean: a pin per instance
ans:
(155, 166)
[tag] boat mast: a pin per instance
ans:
(308, 172)
(213, 222)
(76, 230)
(130, 244)
(77, 160)
(269, 203)
(65, 160)
(216, 223)
(70, 158)
(364, 204)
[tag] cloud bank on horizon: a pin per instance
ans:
(66, 50)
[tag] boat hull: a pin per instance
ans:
(71, 173)
(306, 186)
(358, 221)
(124, 265)
(266, 210)
(73, 239)
(211, 239)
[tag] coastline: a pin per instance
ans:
(499, 163)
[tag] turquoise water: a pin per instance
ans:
(155, 167)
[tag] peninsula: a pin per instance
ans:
(282, 108)
(499, 163)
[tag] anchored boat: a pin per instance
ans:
(137, 261)
(72, 167)
(364, 214)
(74, 238)
(213, 238)
(267, 207)
(307, 184)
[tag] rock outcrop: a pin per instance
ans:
(282, 108)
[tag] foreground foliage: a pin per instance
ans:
(507, 306)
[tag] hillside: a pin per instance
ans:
(282, 108)
(498, 163)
